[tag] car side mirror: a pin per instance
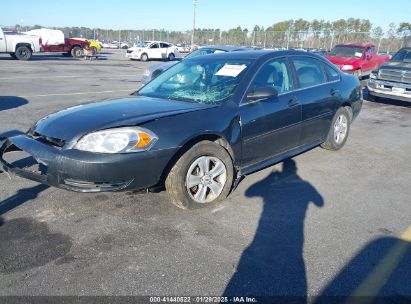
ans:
(262, 93)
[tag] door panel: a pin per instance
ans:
(155, 51)
(318, 106)
(2, 42)
(270, 126)
(318, 95)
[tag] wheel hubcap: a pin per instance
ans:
(205, 179)
(340, 128)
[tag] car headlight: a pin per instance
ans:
(373, 75)
(347, 67)
(118, 140)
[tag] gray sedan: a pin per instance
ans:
(155, 70)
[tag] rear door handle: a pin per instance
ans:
(334, 92)
(293, 103)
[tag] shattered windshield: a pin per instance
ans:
(199, 81)
(347, 51)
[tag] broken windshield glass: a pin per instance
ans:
(206, 81)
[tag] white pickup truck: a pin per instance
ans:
(19, 46)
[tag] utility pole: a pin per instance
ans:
(194, 23)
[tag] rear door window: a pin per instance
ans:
(309, 72)
(333, 75)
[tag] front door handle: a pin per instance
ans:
(293, 103)
(334, 92)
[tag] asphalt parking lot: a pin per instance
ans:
(323, 223)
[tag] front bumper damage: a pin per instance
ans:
(82, 171)
(389, 89)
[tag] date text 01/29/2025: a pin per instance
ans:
(200, 299)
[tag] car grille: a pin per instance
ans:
(395, 75)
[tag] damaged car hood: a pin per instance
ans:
(77, 121)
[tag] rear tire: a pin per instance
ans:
(171, 57)
(144, 57)
(339, 130)
(209, 168)
(76, 52)
(23, 53)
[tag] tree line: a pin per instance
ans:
(287, 33)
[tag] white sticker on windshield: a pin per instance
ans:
(358, 54)
(231, 70)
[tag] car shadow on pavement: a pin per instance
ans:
(379, 273)
(273, 263)
(22, 196)
(10, 102)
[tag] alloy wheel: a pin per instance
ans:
(205, 179)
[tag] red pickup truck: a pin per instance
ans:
(356, 58)
(71, 47)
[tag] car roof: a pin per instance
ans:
(227, 48)
(253, 55)
(355, 44)
(156, 41)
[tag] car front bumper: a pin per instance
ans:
(84, 171)
(389, 89)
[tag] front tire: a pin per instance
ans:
(144, 57)
(171, 57)
(202, 176)
(76, 52)
(23, 53)
(339, 130)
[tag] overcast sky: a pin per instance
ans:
(177, 14)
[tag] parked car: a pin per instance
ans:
(183, 47)
(155, 70)
(53, 41)
(197, 128)
(356, 58)
(70, 48)
(393, 79)
(153, 50)
(19, 46)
